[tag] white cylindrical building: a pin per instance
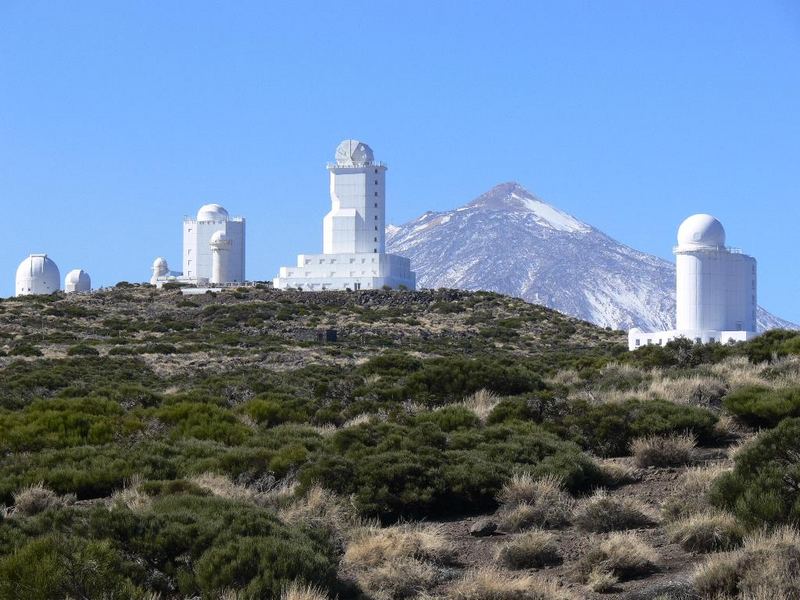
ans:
(160, 269)
(715, 285)
(37, 274)
(77, 280)
(220, 257)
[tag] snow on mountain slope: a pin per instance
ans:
(509, 241)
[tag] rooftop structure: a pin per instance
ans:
(37, 274)
(77, 280)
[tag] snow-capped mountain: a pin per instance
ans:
(509, 241)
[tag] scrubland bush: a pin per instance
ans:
(760, 490)
(690, 494)
(321, 509)
(707, 532)
(481, 403)
(489, 583)
(663, 450)
(529, 550)
(608, 429)
(764, 407)
(616, 474)
(768, 566)
(527, 501)
(601, 512)
(622, 555)
(300, 591)
(36, 498)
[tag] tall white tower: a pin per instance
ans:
(220, 257)
(353, 232)
(77, 280)
(357, 220)
(715, 288)
(160, 269)
(37, 274)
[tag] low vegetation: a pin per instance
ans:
(602, 513)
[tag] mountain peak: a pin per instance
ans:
(511, 196)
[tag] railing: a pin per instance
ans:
(357, 165)
(679, 249)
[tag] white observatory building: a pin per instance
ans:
(715, 288)
(37, 274)
(77, 280)
(213, 250)
(353, 232)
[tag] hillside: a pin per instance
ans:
(509, 241)
(380, 445)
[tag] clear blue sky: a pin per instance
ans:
(117, 118)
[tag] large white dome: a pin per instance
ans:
(160, 263)
(212, 212)
(77, 280)
(351, 153)
(701, 231)
(37, 274)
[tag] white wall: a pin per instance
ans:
(197, 252)
(357, 220)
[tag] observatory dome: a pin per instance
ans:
(160, 263)
(77, 280)
(212, 212)
(352, 153)
(219, 238)
(37, 274)
(701, 231)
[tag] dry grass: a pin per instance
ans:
(710, 531)
(601, 513)
(481, 403)
(397, 562)
(768, 566)
(302, 591)
(616, 474)
(664, 450)
(489, 583)
(222, 486)
(530, 550)
(37, 498)
(528, 502)
(601, 581)
(623, 555)
(131, 496)
(321, 508)
(690, 495)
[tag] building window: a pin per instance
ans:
(376, 182)
(376, 194)
(376, 228)
(375, 250)
(375, 240)
(376, 205)
(638, 342)
(376, 217)
(376, 170)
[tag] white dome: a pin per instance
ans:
(37, 274)
(219, 239)
(701, 231)
(212, 212)
(160, 263)
(352, 152)
(77, 280)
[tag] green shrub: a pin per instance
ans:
(274, 409)
(608, 429)
(762, 489)
(202, 421)
(391, 363)
(24, 349)
(82, 350)
(763, 407)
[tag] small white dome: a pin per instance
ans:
(160, 262)
(37, 274)
(212, 212)
(77, 280)
(352, 153)
(701, 231)
(219, 239)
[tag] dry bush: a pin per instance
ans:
(530, 550)
(690, 494)
(601, 512)
(710, 531)
(280, 494)
(37, 498)
(131, 496)
(727, 428)
(616, 474)
(527, 502)
(663, 450)
(489, 583)
(402, 578)
(601, 581)
(301, 591)
(222, 486)
(481, 403)
(568, 378)
(696, 390)
(321, 508)
(622, 555)
(768, 566)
